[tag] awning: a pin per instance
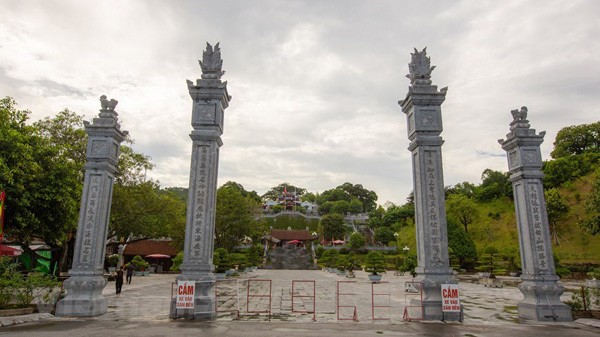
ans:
(294, 242)
(158, 256)
(11, 251)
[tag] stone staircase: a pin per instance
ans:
(289, 258)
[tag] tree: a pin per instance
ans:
(43, 187)
(275, 192)
(465, 188)
(333, 226)
(461, 243)
(356, 241)
(463, 209)
(592, 206)
(310, 197)
(340, 207)
(557, 210)
(235, 218)
(384, 235)
(494, 184)
(577, 139)
(347, 192)
(239, 187)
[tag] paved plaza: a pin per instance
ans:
(144, 306)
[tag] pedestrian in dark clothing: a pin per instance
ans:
(130, 270)
(119, 280)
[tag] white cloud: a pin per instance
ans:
(314, 84)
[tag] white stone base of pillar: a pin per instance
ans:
(204, 302)
(84, 297)
(432, 296)
(542, 302)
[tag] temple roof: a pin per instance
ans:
(148, 247)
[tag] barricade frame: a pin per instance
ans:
(248, 296)
(338, 306)
(314, 297)
(373, 306)
(406, 316)
(236, 296)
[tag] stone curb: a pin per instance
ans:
(14, 320)
(589, 322)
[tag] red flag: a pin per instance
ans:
(284, 190)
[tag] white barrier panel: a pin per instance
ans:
(450, 298)
(185, 294)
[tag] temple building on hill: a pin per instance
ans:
(282, 237)
(290, 201)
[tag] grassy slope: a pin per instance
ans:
(576, 246)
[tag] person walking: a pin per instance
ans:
(130, 270)
(119, 280)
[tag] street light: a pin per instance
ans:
(314, 233)
(406, 249)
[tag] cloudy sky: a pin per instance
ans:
(315, 84)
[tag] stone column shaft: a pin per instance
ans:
(422, 107)
(84, 287)
(210, 99)
(539, 286)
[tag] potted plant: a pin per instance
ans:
(221, 263)
(350, 264)
(140, 265)
(113, 260)
(375, 264)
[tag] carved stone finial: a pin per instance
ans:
(420, 68)
(212, 63)
(519, 118)
(107, 105)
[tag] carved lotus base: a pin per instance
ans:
(84, 297)
(432, 295)
(542, 302)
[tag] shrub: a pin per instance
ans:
(177, 261)
(139, 263)
(113, 260)
(375, 262)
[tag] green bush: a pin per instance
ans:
(409, 265)
(319, 251)
(375, 263)
(139, 263)
(177, 261)
(113, 260)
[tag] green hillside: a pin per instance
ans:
(496, 225)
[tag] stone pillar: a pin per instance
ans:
(84, 287)
(210, 99)
(539, 286)
(424, 116)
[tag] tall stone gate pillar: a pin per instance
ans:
(210, 99)
(424, 116)
(84, 287)
(539, 286)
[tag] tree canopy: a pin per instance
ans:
(577, 139)
(235, 218)
(277, 191)
(333, 226)
(349, 192)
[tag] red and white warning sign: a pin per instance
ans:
(450, 298)
(185, 294)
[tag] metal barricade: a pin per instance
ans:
(248, 296)
(339, 294)
(373, 305)
(413, 289)
(313, 296)
(227, 294)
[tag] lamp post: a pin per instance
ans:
(406, 249)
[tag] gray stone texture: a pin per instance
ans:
(424, 117)
(210, 99)
(540, 287)
(84, 287)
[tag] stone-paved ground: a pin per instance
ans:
(148, 298)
